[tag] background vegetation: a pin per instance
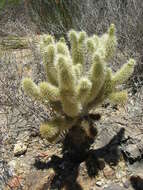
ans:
(21, 24)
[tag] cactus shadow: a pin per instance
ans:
(109, 154)
(67, 168)
(136, 182)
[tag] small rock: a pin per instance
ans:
(108, 172)
(99, 183)
(20, 149)
(126, 183)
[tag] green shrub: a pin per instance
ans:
(4, 3)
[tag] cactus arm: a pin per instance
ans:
(83, 90)
(49, 92)
(90, 46)
(78, 78)
(62, 39)
(119, 97)
(78, 69)
(105, 91)
(66, 75)
(67, 87)
(62, 48)
(108, 86)
(96, 40)
(49, 131)
(72, 35)
(80, 53)
(96, 76)
(82, 37)
(77, 41)
(31, 88)
(73, 38)
(111, 43)
(124, 73)
(45, 40)
(52, 129)
(48, 60)
(48, 39)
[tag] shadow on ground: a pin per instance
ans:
(137, 182)
(67, 168)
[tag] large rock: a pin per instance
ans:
(132, 152)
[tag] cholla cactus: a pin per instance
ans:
(78, 78)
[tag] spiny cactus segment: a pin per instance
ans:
(72, 89)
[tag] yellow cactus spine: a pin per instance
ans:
(105, 91)
(66, 78)
(45, 40)
(82, 37)
(62, 39)
(50, 130)
(48, 39)
(119, 97)
(77, 46)
(49, 63)
(124, 73)
(78, 78)
(49, 92)
(108, 86)
(78, 69)
(62, 48)
(83, 90)
(31, 88)
(96, 76)
(96, 40)
(90, 45)
(110, 45)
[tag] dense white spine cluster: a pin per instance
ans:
(69, 85)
